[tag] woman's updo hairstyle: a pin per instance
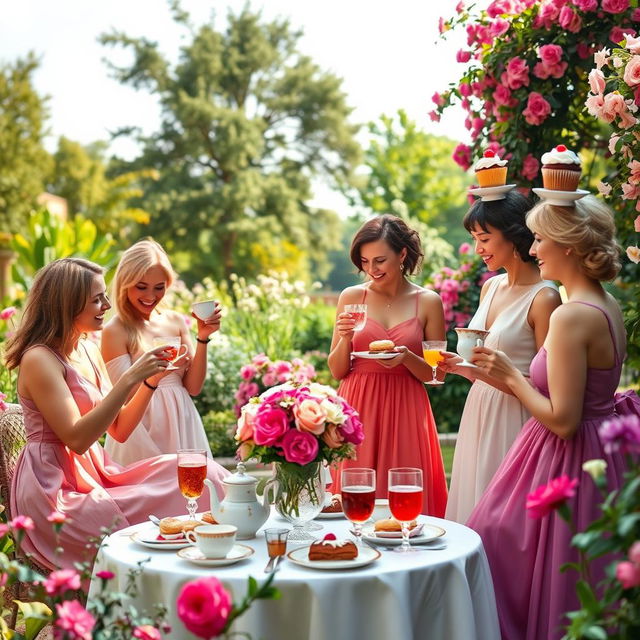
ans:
(508, 216)
(588, 229)
(396, 233)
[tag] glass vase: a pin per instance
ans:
(299, 496)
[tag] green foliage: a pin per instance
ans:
(46, 237)
(220, 427)
(24, 162)
(247, 122)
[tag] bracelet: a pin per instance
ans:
(149, 386)
(206, 341)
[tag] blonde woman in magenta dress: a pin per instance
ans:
(171, 421)
(68, 404)
(390, 396)
(515, 307)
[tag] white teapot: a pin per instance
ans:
(240, 505)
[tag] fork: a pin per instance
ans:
(421, 547)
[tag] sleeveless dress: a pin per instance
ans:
(491, 419)
(525, 554)
(171, 421)
(89, 489)
(399, 429)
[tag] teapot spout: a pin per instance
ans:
(214, 502)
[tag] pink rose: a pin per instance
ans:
(56, 517)
(62, 580)
(204, 606)
(248, 372)
(352, 430)
(547, 15)
(22, 523)
(146, 632)
(5, 314)
(438, 99)
(270, 424)
(630, 191)
(617, 34)
(634, 552)
(462, 156)
(586, 5)
(530, 167)
(634, 166)
(463, 56)
(502, 95)
(597, 82)
(74, 620)
(464, 249)
(550, 54)
(434, 116)
(537, 109)
(628, 574)
(332, 437)
(548, 497)
(245, 450)
(601, 57)
(583, 50)
(613, 105)
(260, 360)
(499, 27)
(460, 7)
(106, 575)
(626, 119)
(615, 6)
(465, 89)
(517, 73)
(570, 20)
(246, 423)
(635, 15)
(299, 446)
(310, 416)
(632, 44)
(500, 8)
(632, 71)
(636, 224)
(269, 379)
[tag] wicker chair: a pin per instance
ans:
(12, 440)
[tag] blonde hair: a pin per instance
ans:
(59, 293)
(587, 228)
(134, 263)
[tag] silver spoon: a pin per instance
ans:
(155, 520)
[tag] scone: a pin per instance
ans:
(381, 346)
(171, 528)
(490, 170)
(561, 169)
(391, 524)
(190, 525)
(335, 506)
(331, 549)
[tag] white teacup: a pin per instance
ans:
(467, 339)
(213, 540)
(204, 309)
(381, 509)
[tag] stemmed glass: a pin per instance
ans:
(358, 497)
(192, 470)
(405, 500)
(431, 351)
(358, 313)
(174, 351)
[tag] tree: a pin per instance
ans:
(247, 122)
(81, 175)
(23, 160)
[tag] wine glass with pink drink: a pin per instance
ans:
(405, 500)
(358, 313)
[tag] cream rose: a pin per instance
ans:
(310, 416)
(334, 412)
(595, 468)
(246, 422)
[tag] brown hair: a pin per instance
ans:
(59, 293)
(396, 233)
(587, 228)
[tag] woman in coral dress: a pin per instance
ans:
(68, 404)
(171, 421)
(574, 376)
(515, 307)
(389, 394)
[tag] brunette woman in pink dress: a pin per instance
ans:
(68, 404)
(572, 392)
(389, 394)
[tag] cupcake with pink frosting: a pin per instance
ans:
(561, 169)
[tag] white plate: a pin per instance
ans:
(429, 532)
(237, 553)
(492, 193)
(300, 556)
(330, 516)
(560, 198)
(373, 356)
(148, 538)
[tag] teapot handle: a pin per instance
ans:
(272, 486)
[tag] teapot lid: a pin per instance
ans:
(240, 477)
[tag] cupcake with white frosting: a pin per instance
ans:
(490, 170)
(561, 169)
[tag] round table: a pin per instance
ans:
(445, 594)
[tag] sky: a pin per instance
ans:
(386, 51)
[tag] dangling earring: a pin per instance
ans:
(401, 267)
(567, 252)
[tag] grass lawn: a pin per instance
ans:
(447, 457)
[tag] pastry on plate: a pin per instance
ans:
(391, 525)
(335, 506)
(171, 528)
(329, 548)
(381, 346)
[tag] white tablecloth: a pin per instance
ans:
(435, 595)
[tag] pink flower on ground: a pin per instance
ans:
(537, 109)
(270, 424)
(106, 575)
(597, 83)
(628, 574)
(530, 167)
(62, 580)
(548, 497)
(146, 632)
(636, 224)
(310, 416)
(615, 6)
(74, 621)
(22, 523)
(204, 606)
(299, 446)
(56, 517)
(5, 314)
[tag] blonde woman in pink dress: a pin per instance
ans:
(171, 421)
(515, 307)
(389, 395)
(68, 404)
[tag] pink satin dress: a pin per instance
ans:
(399, 428)
(526, 554)
(91, 490)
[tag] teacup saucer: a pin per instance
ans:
(560, 198)
(488, 194)
(237, 553)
